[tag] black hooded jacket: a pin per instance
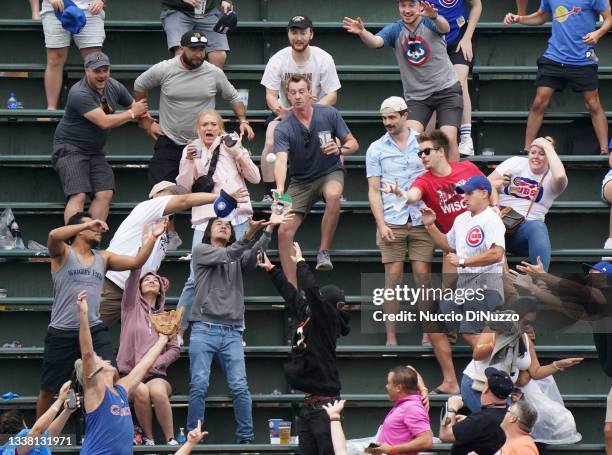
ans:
(312, 369)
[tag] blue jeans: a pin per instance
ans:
(188, 293)
(225, 343)
(531, 239)
(471, 398)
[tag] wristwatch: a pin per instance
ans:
(462, 263)
(434, 17)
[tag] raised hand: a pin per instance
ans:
(82, 301)
(191, 150)
(298, 252)
(196, 435)
(159, 227)
(263, 262)
(354, 26)
(428, 10)
(521, 281)
(387, 187)
(334, 410)
(428, 216)
(531, 269)
(98, 226)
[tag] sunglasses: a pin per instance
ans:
(105, 106)
(427, 151)
(307, 138)
(201, 39)
(412, 42)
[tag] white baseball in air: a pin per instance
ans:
(271, 158)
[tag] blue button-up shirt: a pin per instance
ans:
(384, 159)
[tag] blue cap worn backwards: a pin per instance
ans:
(72, 18)
(477, 182)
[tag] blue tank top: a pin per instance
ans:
(109, 429)
(454, 12)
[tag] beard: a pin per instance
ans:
(190, 63)
(94, 244)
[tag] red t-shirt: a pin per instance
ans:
(439, 194)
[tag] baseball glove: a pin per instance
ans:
(167, 322)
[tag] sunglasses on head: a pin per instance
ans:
(105, 106)
(201, 39)
(427, 151)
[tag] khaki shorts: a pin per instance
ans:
(305, 194)
(110, 303)
(420, 246)
(609, 407)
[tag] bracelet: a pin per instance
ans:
(132, 113)
(435, 17)
(454, 411)
(554, 364)
(336, 419)
(244, 121)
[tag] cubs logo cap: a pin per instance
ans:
(302, 22)
(224, 205)
(194, 38)
(96, 60)
(477, 182)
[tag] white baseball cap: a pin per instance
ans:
(165, 185)
(394, 104)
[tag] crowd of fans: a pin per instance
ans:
(421, 197)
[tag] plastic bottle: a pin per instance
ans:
(16, 233)
(12, 102)
(181, 438)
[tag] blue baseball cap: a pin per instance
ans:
(603, 267)
(224, 205)
(477, 182)
(72, 18)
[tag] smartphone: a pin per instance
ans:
(372, 445)
(72, 401)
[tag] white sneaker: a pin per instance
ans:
(607, 246)
(148, 442)
(466, 147)
(174, 241)
(172, 442)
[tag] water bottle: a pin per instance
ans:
(12, 102)
(181, 438)
(16, 233)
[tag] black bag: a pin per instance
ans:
(226, 23)
(206, 184)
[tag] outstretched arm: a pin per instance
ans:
(130, 381)
(121, 262)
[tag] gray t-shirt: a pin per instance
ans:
(422, 58)
(184, 93)
(68, 281)
(74, 128)
(303, 146)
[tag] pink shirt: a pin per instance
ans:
(404, 422)
(229, 175)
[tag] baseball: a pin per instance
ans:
(271, 157)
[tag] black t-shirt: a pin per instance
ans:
(479, 432)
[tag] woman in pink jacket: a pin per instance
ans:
(141, 297)
(229, 166)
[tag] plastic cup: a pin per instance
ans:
(284, 432)
(324, 137)
(273, 430)
(243, 93)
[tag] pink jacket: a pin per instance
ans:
(137, 334)
(229, 175)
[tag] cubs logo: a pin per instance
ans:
(416, 50)
(474, 237)
(448, 3)
(524, 188)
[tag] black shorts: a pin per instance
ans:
(581, 78)
(447, 103)
(81, 171)
(164, 164)
(62, 349)
(457, 58)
